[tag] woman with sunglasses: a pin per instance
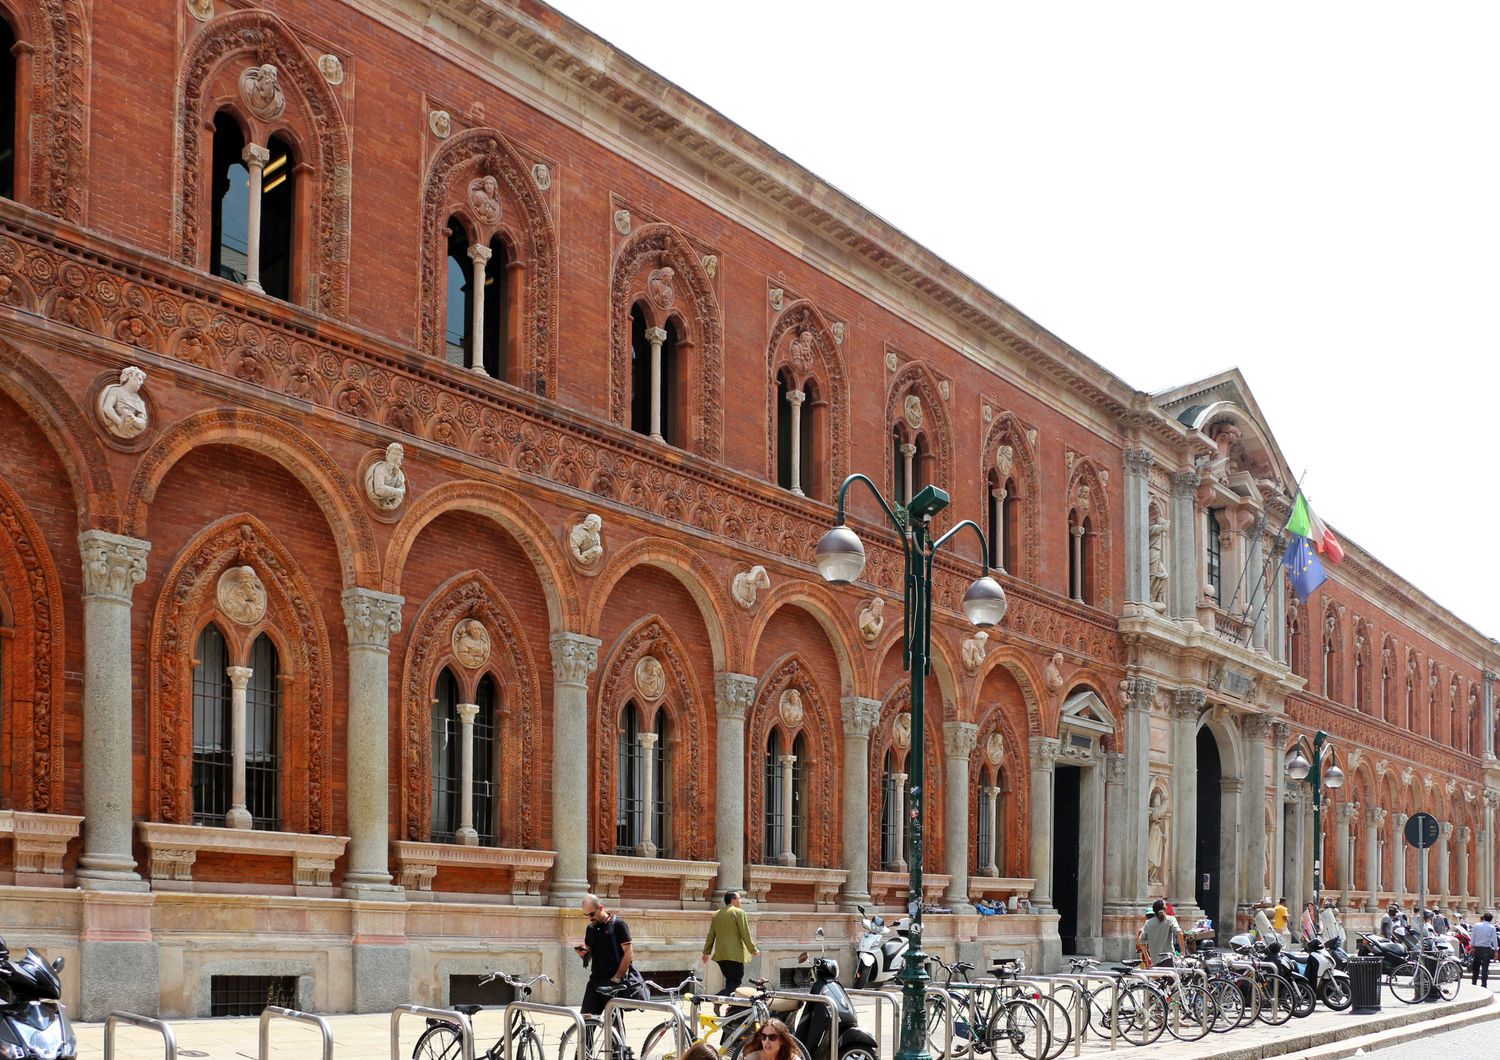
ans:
(774, 1042)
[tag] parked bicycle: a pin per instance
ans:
(998, 1016)
(443, 1040)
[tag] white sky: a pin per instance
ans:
(1310, 191)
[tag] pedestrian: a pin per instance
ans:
(1483, 940)
(1331, 931)
(1280, 916)
(1158, 936)
(1390, 922)
(1309, 921)
(1440, 922)
(701, 1051)
(729, 941)
(773, 1042)
(610, 957)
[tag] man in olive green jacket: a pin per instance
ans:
(729, 941)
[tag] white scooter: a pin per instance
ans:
(881, 951)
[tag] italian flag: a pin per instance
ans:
(1305, 523)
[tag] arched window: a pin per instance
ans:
(464, 263)
(644, 780)
(1359, 677)
(220, 690)
(784, 416)
(1330, 657)
(9, 97)
(1294, 639)
(278, 216)
(1411, 694)
(901, 465)
(786, 801)
(486, 755)
(447, 757)
(1386, 656)
(249, 180)
(1010, 521)
(448, 737)
(812, 442)
(263, 736)
(212, 754)
(228, 256)
(1215, 556)
(892, 817)
(458, 314)
(654, 379)
(1086, 544)
(989, 851)
(1080, 558)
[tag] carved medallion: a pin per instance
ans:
(261, 92)
(622, 222)
(901, 731)
(241, 595)
(659, 288)
(650, 678)
(1005, 459)
(332, 68)
(994, 749)
(202, 10)
(911, 408)
(777, 297)
(791, 709)
(891, 362)
(471, 643)
(838, 331)
(484, 199)
(711, 265)
(441, 124)
(801, 351)
(945, 389)
(121, 408)
(542, 175)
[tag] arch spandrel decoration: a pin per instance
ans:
(822, 766)
(525, 223)
(314, 119)
(297, 626)
(52, 127)
(818, 360)
(694, 303)
(692, 825)
(518, 693)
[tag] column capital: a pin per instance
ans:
(1184, 483)
(1139, 693)
(1445, 830)
(1188, 702)
(371, 618)
(1281, 732)
(1255, 726)
(733, 694)
(255, 155)
(795, 397)
(1464, 833)
(1044, 752)
(480, 254)
(574, 657)
(1399, 820)
(1345, 812)
(1139, 461)
(239, 677)
(1114, 766)
(646, 739)
(656, 336)
(787, 759)
(861, 715)
(1375, 816)
(960, 738)
(112, 565)
(908, 449)
(467, 712)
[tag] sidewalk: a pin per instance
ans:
(367, 1037)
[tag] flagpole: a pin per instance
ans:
(1280, 562)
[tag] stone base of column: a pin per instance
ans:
(382, 977)
(958, 903)
(372, 887)
(567, 893)
(109, 872)
(124, 976)
(851, 901)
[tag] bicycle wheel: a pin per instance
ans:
(1059, 1023)
(567, 1048)
(1019, 1027)
(441, 1041)
(661, 1043)
(1275, 1001)
(1193, 1014)
(529, 1047)
(1229, 1004)
(1143, 1013)
(1100, 1013)
(1410, 983)
(1450, 977)
(1075, 1001)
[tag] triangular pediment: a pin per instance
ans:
(1086, 711)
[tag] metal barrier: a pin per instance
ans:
(465, 1028)
(271, 1012)
(948, 1020)
(1147, 974)
(615, 1004)
(1052, 982)
(513, 1011)
(833, 1016)
(883, 997)
(162, 1027)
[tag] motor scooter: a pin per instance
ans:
(1320, 969)
(33, 1023)
(881, 950)
(812, 1026)
(1392, 954)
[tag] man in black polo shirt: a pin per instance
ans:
(608, 952)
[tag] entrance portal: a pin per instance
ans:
(1206, 881)
(1065, 854)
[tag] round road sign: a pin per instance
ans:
(1421, 830)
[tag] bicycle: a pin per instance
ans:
(619, 1046)
(991, 1016)
(1130, 1006)
(736, 1030)
(442, 1040)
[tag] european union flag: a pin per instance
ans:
(1303, 566)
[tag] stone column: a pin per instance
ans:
(860, 717)
(1276, 586)
(1281, 732)
(795, 398)
(733, 694)
(1374, 822)
(908, 454)
(1443, 884)
(646, 848)
(788, 848)
(1398, 855)
(1183, 586)
(112, 567)
(1258, 579)
(1343, 879)
(997, 506)
(574, 657)
(1120, 825)
(371, 619)
(1463, 893)
(1187, 704)
(1490, 677)
(1487, 851)
(1253, 808)
(898, 810)
(479, 254)
(255, 158)
(656, 336)
(239, 680)
(1138, 464)
(997, 824)
(959, 740)
(1075, 589)
(1295, 884)
(1139, 695)
(466, 835)
(1044, 751)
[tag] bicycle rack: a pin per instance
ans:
(833, 1016)
(1051, 982)
(162, 1027)
(465, 1028)
(948, 1008)
(516, 1008)
(1147, 974)
(614, 1004)
(271, 1012)
(883, 997)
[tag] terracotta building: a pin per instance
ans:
(420, 418)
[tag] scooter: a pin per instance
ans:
(1320, 968)
(33, 1025)
(1392, 954)
(812, 1025)
(881, 951)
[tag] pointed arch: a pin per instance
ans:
(52, 101)
(313, 118)
(299, 631)
(1022, 670)
(513, 667)
(1088, 497)
(1331, 652)
(915, 378)
(524, 222)
(1008, 461)
(1362, 655)
(653, 249)
(824, 756)
(802, 343)
(882, 739)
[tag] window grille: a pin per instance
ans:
(890, 817)
(1215, 557)
(249, 995)
(661, 786)
(263, 737)
(630, 785)
(447, 750)
(486, 790)
(773, 814)
(986, 825)
(213, 758)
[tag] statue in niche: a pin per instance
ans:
(872, 619)
(791, 709)
(484, 199)
(471, 643)
(121, 406)
(659, 287)
(385, 481)
(262, 93)
(1226, 436)
(747, 583)
(586, 540)
(801, 351)
(912, 409)
(901, 731)
(1159, 821)
(1157, 551)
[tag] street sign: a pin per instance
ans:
(1422, 830)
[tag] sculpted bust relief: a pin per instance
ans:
(262, 93)
(791, 708)
(747, 583)
(471, 643)
(872, 619)
(121, 406)
(385, 481)
(585, 540)
(901, 733)
(650, 678)
(241, 596)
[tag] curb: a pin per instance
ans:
(1482, 1013)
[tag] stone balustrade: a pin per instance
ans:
(795, 886)
(417, 865)
(173, 850)
(610, 871)
(38, 843)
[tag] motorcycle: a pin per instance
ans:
(1320, 967)
(33, 1024)
(1392, 954)
(812, 1027)
(881, 951)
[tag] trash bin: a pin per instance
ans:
(1364, 984)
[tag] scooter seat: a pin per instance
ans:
(783, 1005)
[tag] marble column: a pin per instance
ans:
(1258, 578)
(1441, 883)
(255, 158)
(959, 740)
(1254, 885)
(997, 831)
(897, 811)
(1187, 705)
(733, 695)
(239, 682)
(466, 834)
(1139, 695)
(1184, 585)
(908, 456)
(1343, 878)
(1462, 892)
(1490, 678)
(1138, 464)
(997, 506)
(1119, 826)
(479, 255)
(1075, 589)
(1397, 847)
(1296, 883)
(1277, 609)
(1281, 732)
(788, 848)
(795, 398)
(371, 618)
(646, 741)
(1374, 823)
(1044, 751)
(1487, 851)
(860, 717)
(112, 567)
(656, 336)
(574, 657)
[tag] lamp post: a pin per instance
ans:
(840, 556)
(1305, 762)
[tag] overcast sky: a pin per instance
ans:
(1309, 191)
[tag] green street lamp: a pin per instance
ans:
(840, 557)
(1316, 764)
